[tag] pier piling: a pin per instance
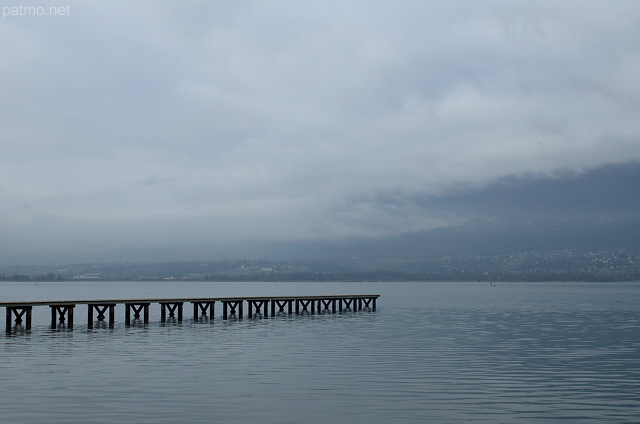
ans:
(60, 314)
(171, 307)
(324, 304)
(349, 304)
(231, 307)
(19, 311)
(200, 309)
(281, 303)
(101, 309)
(259, 305)
(137, 309)
(306, 305)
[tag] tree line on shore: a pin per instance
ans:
(359, 276)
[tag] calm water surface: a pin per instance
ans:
(432, 352)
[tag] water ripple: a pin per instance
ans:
(431, 353)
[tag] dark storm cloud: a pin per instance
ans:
(145, 123)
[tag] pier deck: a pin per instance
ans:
(62, 312)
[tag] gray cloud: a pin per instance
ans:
(137, 124)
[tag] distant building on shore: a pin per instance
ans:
(95, 276)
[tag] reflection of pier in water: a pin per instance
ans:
(62, 311)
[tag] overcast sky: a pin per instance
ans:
(145, 123)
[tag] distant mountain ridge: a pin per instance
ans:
(592, 211)
(571, 222)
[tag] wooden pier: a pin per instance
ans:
(138, 310)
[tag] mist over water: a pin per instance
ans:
(432, 352)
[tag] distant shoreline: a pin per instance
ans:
(533, 266)
(326, 280)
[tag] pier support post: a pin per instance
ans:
(260, 305)
(61, 313)
(325, 304)
(348, 304)
(101, 309)
(305, 303)
(281, 303)
(356, 304)
(200, 309)
(18, 312)
(369, 302)
(171, 307)
(137, 309)
(230, 307)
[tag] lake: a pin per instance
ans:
(432, 352)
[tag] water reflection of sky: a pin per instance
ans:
(431, 353)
